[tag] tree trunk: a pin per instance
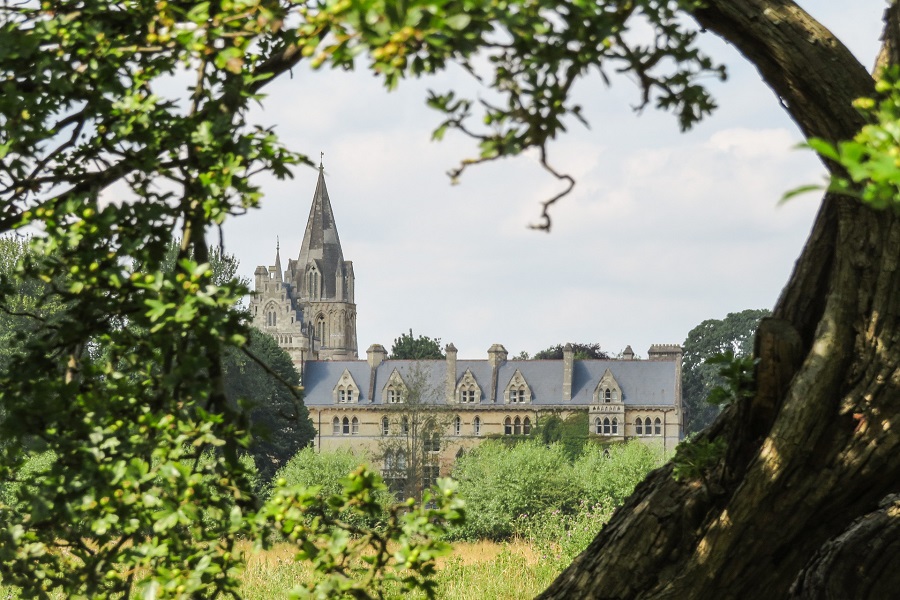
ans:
(801, 503)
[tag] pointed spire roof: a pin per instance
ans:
(321, 244)
(279, 277)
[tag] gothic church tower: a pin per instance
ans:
(309, 308)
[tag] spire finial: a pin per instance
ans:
(277, 244)
(321, 160)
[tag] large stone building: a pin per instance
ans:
(310, 310)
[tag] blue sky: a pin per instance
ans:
(662, 231)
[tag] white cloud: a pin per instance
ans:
(662, 231)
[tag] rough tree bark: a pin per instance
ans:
(804, 502)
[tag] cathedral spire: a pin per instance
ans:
(321, 248)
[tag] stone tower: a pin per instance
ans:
(309, 308)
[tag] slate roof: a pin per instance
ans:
(642, 382)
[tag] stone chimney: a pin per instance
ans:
(568, 366)
(496, 357)
(665, 352)
(450, 387)
(628, 354)
(376, 355)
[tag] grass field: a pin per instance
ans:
(473, 571)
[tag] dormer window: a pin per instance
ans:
(517, 390)
(313, 282)
(468, 391)
(394, 390)
(320, 329)
(346, 391)
(607, 390)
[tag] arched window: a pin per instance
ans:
(526, 426)
(312, 283)
(385, 426)
(342, 395)
(648, 430)
(517, 426)
(638, 426)
(597, 426)
(606, 426)
(393, 396)
(401, 460)
(404, 425)
(615, 395)
(476, 425)
(457, 425)
(607, 395)
(657, 426)
(354, 426)
(346, 426)
(320, 329)
(507, 426)
(336, 426)
(615, 426)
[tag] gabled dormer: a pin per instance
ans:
(395, 390)
(608, 390)
(467, 390)
(517, 390)
(346, 391)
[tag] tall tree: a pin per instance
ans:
(582, 352)
(416, 347)
(264, 380)
(414, 428)
(735, 334)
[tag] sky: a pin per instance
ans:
(662, 231)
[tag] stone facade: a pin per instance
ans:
(349, 401)
(309, 308)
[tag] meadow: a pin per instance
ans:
(474, 570)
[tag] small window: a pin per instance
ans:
(467, 396)
(336, 426)
(615, 395)
(615, 426)
(476, 425)
(342, 395)
(354, 426)
(526, 426)
(385, 426)
(638, 426)
(607, 395)
(517, 426)
(457, 425)
(507, 426)
(647, 427)
(606, 426)
(394, 396)
(598, 428)
(657, 426)
(346, 426)
(404, 426)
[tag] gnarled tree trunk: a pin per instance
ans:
(804, 502)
